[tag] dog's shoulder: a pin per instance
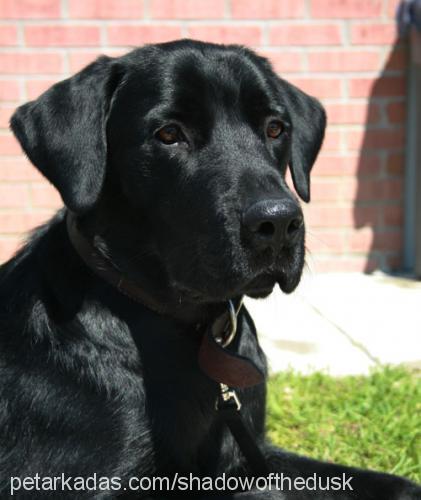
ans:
(70, 374)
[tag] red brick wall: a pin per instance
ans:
(342, 51)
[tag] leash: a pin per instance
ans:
(229, 407)
(243, 373)
(221, 364)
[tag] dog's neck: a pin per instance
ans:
(148, 286)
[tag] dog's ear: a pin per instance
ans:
(308, 127)
(63, 132)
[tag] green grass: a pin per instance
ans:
(366, 421)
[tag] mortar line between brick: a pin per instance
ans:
(64, 7)
(146, 10)
(227, 9)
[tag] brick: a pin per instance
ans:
(349, 264)
(9, 145)
(385, 86)
(360, 240)
(9, 90)
(8, 35)
(320, 240)
(373, 190)
(373, 34)
(34, 88)
(392, 6)
(29, 9)
(346, 9)
(129, 35)
(329, 34)
(361, 190)
(13, 195)
(397, 59)
(366, 215)
(322, 216)
(45, 195)
(267, 9)
(78, 60)
(395, 164)
(20, 222)
(249, 35)
(348, 114)
(392, 189)
(187, 9)
(319, 87)
(388, 241)
(284, 62)
(375, 139)
(396, 112)
(344, 61)
(368, 164)
(393, 215)
(6, 111)
(341, 216)
(30, 63)
(62, 36)
(106, 9)
(332, 140)
(18, 169)
(333, 165)
(8, 247)
(322, 190)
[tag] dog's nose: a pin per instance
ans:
(273, 222)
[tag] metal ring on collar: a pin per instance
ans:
(233, 313)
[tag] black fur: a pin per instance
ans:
(93, 382)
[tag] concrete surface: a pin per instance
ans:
(341, 323)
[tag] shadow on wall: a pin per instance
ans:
(378, 205)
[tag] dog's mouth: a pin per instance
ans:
(217, 278)
(258, 287)
(253, 290)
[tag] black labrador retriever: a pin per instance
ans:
(117, 317)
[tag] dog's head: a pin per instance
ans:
(175, 155)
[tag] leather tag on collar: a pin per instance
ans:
(225, 366)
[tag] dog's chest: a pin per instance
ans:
(167, 419)
(186, 431)
(179, 402)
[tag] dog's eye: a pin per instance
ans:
(274, 129)
(170, 134)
